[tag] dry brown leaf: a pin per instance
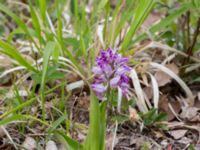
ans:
(138, 141)
(197, 146)
(162, 78)
(51, 145)
(177, 134)
(148, 91)
(197, 104)
(158, 134)
(83, 102)
(29, 143)
(163, 106)
(61, 147)
(144, 79)
(5, 62)
(2, 133)
(133, 115)
(190, 113)
(109, 141)
(151, 19)
(185, 140)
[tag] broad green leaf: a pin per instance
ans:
(196, 3)
(69, 142)
(103, 123)
(120, 119)
(52, 74)
(93, 138)
(47, 53)
(55, 124)
(72, 42)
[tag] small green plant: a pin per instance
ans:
(72, 47)
(153, 118)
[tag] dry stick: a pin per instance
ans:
(188, 28)
(194, 40)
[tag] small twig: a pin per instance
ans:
(194, 40)
(188, 28)
(9, 137)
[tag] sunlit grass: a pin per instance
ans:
(64, 39)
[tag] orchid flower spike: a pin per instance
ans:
(111, 71)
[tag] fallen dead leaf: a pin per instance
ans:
(133, 115)
(138, 141)
(185, 140)
(144, 79)
(162, 78)
(164, 143)
(151, 19)
(5, 62)
(158, 134)
(197, 104)
(190, 114)
(83, 102)
(177, 134)
(61, 147)
(109, 141)
(29, 143)
(197, 146)
(2, 133)
(148, 91)
(51, 145)
(163, 106)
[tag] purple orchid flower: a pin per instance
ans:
(110, 72)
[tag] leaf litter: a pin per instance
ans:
(183, 115)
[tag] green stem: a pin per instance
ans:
(43, 105)
(103, 111)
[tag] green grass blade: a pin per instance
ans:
(126, 16)
(59, 22)
(165, 22)
(7, 49)
(69, 142)
(55, 124)
(19, 22)
(141, 12)
(103, 117)
(19, 117)
(43, 8)
(21, 106)
(74, 7)
(35, 21)
(93, 138)
(47, 53)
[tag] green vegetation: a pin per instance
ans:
(50, 48)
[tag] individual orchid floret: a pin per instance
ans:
(110, 72)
